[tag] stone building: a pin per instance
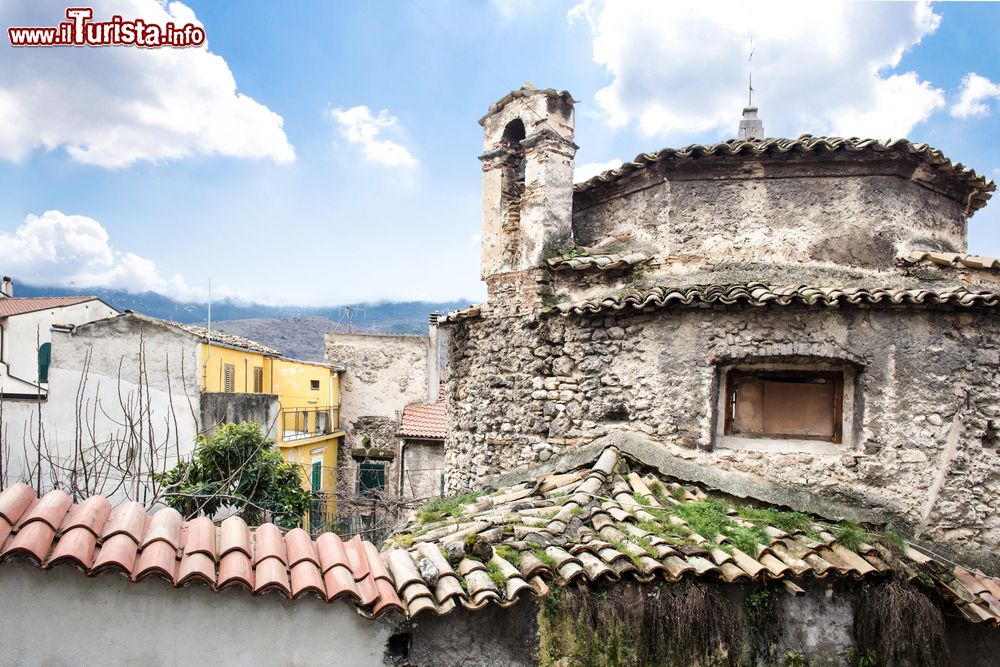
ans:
(796, 321)
(393, 416)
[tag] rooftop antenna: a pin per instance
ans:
(351, 311)
(751, 127)
(208, 352)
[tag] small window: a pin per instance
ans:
(314, 385)
(230, 379)
(317, 476)
(371, 478)
(258, 380)
(785, 404)
(44, 359)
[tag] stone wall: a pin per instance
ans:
(384, 374)
(920, 446)
(840, 209)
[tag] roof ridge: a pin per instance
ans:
(979, 185)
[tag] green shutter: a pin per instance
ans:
(371, 478)
(44, 359)
(317, 476)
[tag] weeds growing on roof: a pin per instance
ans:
(849, 535)
(509, 554)
(496, 576)
(545, 558)
(442, 507)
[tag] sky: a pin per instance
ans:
(318, 153)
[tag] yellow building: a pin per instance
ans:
(307, 426)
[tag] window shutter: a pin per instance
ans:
(44, 359)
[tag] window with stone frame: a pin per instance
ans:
(786, 403)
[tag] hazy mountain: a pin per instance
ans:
(295, 330)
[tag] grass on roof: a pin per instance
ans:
(442, 507)
(509, 554)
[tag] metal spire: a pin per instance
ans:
(751, 127)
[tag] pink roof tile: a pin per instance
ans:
(424, 420)
(19, 306)
(94, 537)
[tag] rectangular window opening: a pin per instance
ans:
(371, 478)
(258, 380)
(806, 405)
(314, 385)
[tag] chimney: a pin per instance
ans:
(751, 127)
(8, 287)
(433, 359)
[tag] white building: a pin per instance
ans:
(25, 337)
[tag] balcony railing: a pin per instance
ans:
(304, 423)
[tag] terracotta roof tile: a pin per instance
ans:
(608, 522)
(950, 259)
(759, 294)
(205, 335)
(95, 538)
(425, 420)
(18, 305)
(117, 552)
(462, 314)
(599, 262)
(235, 569)
(77, 545)
(978, 188)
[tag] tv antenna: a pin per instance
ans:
(750, 74)
(350, 312)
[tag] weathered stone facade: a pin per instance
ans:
(563, 353)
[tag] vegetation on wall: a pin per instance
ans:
(895, 623)
(670, 624)
(237, 468)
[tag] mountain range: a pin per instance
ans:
(295, 330)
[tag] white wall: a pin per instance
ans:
(22, 335)
(61, 617)
(95, 371)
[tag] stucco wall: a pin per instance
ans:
(780, 209)
(61, 618)
(98, 387)
(920, 446)
(423, 468)
(22, 334)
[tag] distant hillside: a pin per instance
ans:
(295, 330)
(302, 337)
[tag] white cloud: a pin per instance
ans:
(818, 67)
(113, 106)
(73, 250)
(590, 169)
(973, 96)
(360, 127)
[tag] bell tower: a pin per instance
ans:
(527, 162)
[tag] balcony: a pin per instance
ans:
(305, 423)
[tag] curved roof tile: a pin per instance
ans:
(978, 188)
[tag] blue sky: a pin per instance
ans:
(327, 152)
